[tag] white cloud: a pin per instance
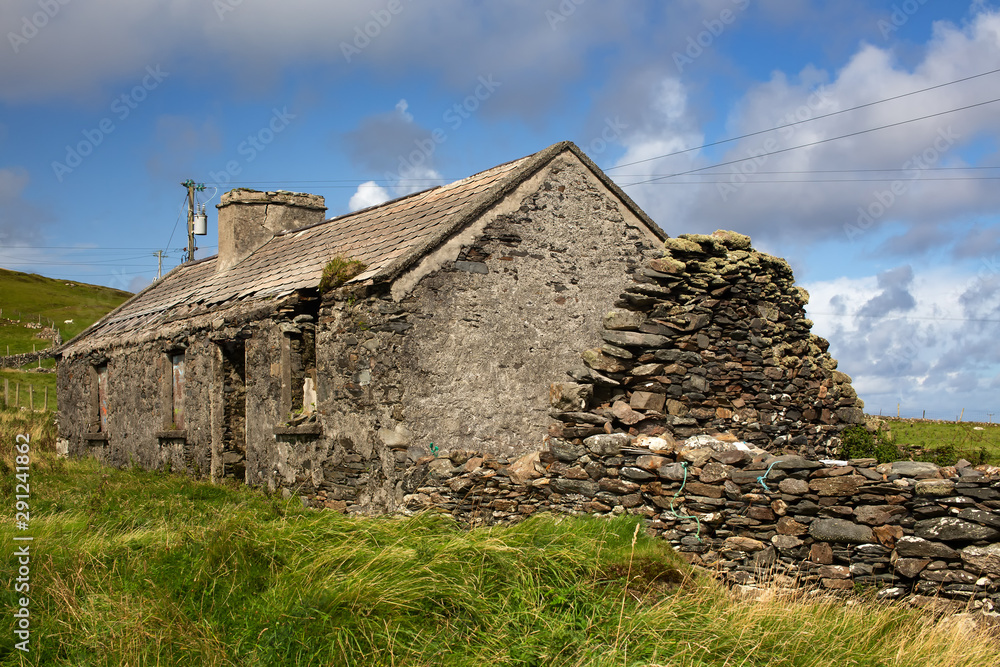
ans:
(394, 144)
(253, 43)
(935, 357)
(809, 212)
(368, 194)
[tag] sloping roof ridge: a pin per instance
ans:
(172, 273)
(396, 200)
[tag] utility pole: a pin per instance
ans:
(159, 255)
(192, 187)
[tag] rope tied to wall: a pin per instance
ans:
(764, 476)
(678, 515)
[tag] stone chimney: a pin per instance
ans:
(248, 219)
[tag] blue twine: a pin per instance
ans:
(764, 476)
(678, 515)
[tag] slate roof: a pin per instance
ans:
(388, 238)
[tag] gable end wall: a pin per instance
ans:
(460, 351)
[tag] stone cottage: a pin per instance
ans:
(474, 297)
(468, 305)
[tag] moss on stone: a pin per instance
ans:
(338, 271)
(708, 244)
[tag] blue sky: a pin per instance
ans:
(106, 107)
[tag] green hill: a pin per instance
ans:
(26, 297)
(29, 301)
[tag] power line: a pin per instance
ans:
(901, 317)
(815, 143)
(360, 181)
(807, 120)
(753, 181)
(70, 247)
(815, 171)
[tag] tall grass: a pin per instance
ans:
(39, 426)
(140, 568)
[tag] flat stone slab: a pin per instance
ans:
(607, 444)
(840, 531)
(846, 485)
(934, 487)
(952, 529)
(581, 487)
(634, 339)
(793, 462)
(914, 469)
(917, 547)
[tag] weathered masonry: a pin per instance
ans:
(711, 337)
(756, 519)
(474, 297)
(474, 301)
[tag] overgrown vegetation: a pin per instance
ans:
(39, 426)
(858, 443)
(943, 443)
(142, 568)
(338, 271)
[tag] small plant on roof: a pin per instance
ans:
(338, 271)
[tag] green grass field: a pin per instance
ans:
(978, 443)
(17, 339)
(39, 383)
(141, 568)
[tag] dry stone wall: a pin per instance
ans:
(18, 360)
(711, 337)
(755, 518)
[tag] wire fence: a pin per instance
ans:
(970, 415)
(18, 395)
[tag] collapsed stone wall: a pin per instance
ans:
(711, 337)
(755, 518)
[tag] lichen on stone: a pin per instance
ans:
(733, 240)
(682, 245)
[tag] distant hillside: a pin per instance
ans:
(73, 306)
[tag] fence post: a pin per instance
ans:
(31, 397)
(17, 395)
